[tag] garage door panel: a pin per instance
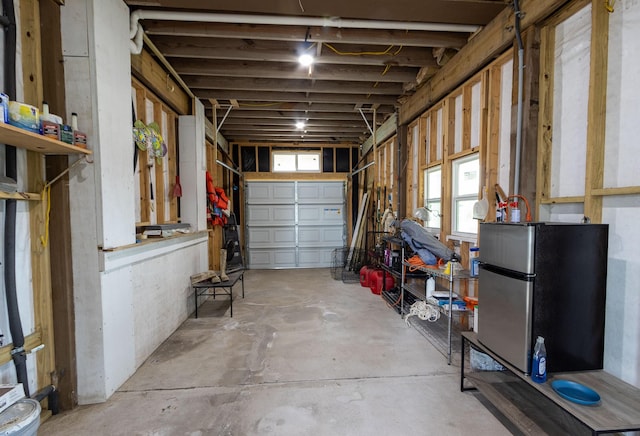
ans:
(311, 258)
(320, 215)
(271, 193)
(320, 192)
(265, 237)
(294, 224)
(266, 215)
(320, 236)
(270, 259)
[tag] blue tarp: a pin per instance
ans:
(426, 246)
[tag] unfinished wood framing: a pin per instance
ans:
(480, 50)
(40, 258)
(158, 205)
(596, 121)
(153, 75)
(597, 110)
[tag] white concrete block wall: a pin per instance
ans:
(130, 300)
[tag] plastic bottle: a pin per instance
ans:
(474, 261)
(539, 362)
(430, 286)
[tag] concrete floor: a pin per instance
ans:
(303, 355)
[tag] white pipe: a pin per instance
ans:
(141, 14)
(135, 45)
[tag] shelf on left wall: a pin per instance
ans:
(20, 138)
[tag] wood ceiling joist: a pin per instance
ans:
(301, 107)
(411, 38)
(277, 70)
(327, 137)
(302, 97)
(291, 121)
(278, 51)
(271, 115)
(296, 85)
(357, 131)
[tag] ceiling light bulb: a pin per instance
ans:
(300, 125)
(305, 60)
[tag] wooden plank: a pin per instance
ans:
(143, 175)
(486, 386)
(484, 47)
(627, 190)
(448, 126)
(40, 262)
(545, 116)
(597, 110)
(20, 196)
(563, 200)
(158, 172)
(359, 224)
(530, 97)
(34, 142)
(617, 410)
(65, 375)
(172, 121)
(491, 152)
(466, 116)
(30, 342)
(149, 72)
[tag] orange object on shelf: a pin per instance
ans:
(471, 302)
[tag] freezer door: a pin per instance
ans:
(509, 246)
(504, 317)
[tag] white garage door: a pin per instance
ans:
(293, 224)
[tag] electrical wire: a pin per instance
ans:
(609, 4)
(526, 202)
(46, 193)
(362, 53)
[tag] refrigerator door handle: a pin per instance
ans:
(507, 272)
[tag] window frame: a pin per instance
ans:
(455, 197)
(427, 199)
(297, 154)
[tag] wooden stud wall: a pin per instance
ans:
(40, 257)
(596, 122)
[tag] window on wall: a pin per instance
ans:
(292, 162)
(432, 200)
(466, 184)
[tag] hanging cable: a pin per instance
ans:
(362, 53)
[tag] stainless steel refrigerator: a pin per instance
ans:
(543, 279)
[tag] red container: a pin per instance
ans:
(383, 279)
(371, 276)
(364, 276)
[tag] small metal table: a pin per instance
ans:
(207, 289)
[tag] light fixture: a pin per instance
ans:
(422, 213)
(300, 125)
(305, 59)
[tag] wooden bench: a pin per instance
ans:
(533, 407)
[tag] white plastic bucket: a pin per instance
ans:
(21, 418)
